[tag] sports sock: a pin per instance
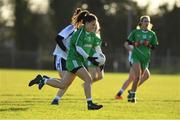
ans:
(46, 79)
(133, 94)
(120, 92)
(57, 97)
(89, 101)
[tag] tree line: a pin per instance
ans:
(33, 31)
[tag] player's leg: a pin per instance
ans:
(96, 72)
(137, 74)
(144, 77)
(125, 84)
(55, 82)
(63, 83)
(60, 92)
(85, 75)
(60, 66)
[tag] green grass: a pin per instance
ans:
(158, 98)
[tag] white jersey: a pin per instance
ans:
(67, 34)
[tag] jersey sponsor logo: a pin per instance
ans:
(88, 45)
(138, 35)
(144, 36)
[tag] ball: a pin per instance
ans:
(101, 58)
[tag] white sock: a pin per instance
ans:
(57, 97)
(133, 92)
(121, 91)
(46, 79)
(89, 99)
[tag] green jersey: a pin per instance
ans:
(87, 41)
(138, 35)
(142, 53)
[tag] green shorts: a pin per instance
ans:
(144, 62)
(71, 64)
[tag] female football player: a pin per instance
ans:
(143, 39)
(97, 73)
(144, 77)
(82, 41)
(63, 39)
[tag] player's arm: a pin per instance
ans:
(98, 49)
(85, 55)
(59, 40)
(79, 36)
(63, 35)
(131, 39)
(78, 45)
(128, 45)
(82, 52)
(154, 42)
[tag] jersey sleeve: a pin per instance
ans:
(131, 36)
(97, 41)
(66, 31)
(79, 38)
(154, 40)
(80, 42)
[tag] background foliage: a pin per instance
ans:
(32, 35)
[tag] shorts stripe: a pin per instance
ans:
(59, 63)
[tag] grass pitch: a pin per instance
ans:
(158, 98)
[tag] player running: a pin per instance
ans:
(143, 40)
(81, 44)
(131, 76)
(63, 40)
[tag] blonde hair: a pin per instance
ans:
(97, 31)
(141, 19)
(75, 14)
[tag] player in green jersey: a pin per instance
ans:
(97, 72)
(131, 76)
(82, 42)
(143, 40)
(63, 39)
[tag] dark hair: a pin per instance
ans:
(82, 15)
(89, 18)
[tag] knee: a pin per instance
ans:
(99, 77)
(147, 74)
(65, 85)
(88, 80)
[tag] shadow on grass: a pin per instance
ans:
(13, 109)
(174, 101)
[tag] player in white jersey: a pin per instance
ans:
(60, 53)
(131, 77)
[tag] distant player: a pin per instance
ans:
(143, 40)
(131, 77)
